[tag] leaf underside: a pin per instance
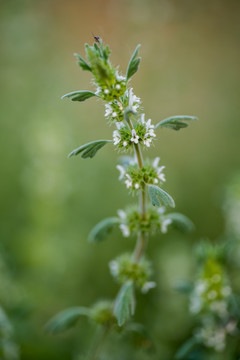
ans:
(159, 197)
(102, 229)
(66, 319)
(89, 150)
(180, 222)
(80, 95)
(125, 303)
(176, 122)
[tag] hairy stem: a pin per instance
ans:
(142, 236)
(98, 343)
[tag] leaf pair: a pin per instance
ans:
(176, 122)
(89, 150)
(133, 64)
(66, 319)
(80, 95)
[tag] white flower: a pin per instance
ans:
(137, 186)
(161, 176)
(119, 77)
(122, 171)
(98, 91)
(118, 86)
(161, 210)
(155, 181)
(201, 287)
(195, 304)
(125, 143)
(156, 161)
(151, 133)
(114, 268)
(125, 230)
(133, 100)
(149, 125)
(128, 182)
(212, 295)
(116, 137)
(106, 91)
(121, 214)
(108, 109)
(147, 142)
(147, 286)
(165, 224)
(134, 137)
(226, 291)
(219, 307)
(114, 114)
(119, 125)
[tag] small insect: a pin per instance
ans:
(97, 38)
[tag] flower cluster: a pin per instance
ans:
(142, 133)
(124, 269)
(211, 291)
(211, 300)
(131, 222)
(214, 335)
(102, 313)
(136, 178)
(110, 85)
(114, 110)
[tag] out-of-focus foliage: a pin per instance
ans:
(49, 203)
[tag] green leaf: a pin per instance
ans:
(176, 122)
(159, 197)
(66, 319)
(81, 62)
(89, 150)
(125, 303)
(102, 229)
(80, 95)
(133, 64)
(186, 348)
(180, 222)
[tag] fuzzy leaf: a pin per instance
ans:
(180, 222)
(80, 95)
(133, 64)
(102, 229)
(82, 63)
(89, 150)
(186, 348)
(125, 303)
(176, 122)
(66, 319)
(159, 197)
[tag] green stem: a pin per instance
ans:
(98, 343)
(142, 236)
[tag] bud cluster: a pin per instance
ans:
(211, 300)
(123, 269)
(131, 222)
(135, 178)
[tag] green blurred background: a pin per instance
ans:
(190, 65)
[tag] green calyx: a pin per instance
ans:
(124, 269)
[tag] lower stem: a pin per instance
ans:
(98, 344)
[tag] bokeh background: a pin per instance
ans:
(49, 203)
